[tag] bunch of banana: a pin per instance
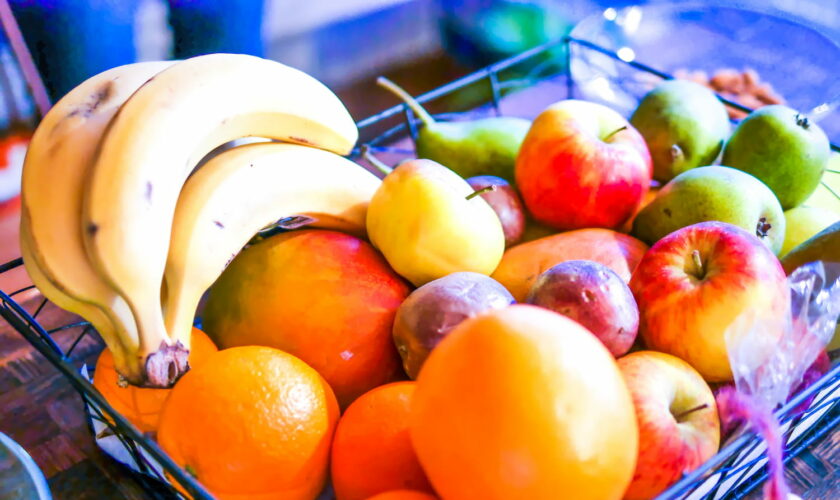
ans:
(110, 207)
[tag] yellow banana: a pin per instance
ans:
(154, 143)
(54, 176)
(96, 316)
(239, 192)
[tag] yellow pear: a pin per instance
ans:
(827, 195)
(428, 222)
(805, 221)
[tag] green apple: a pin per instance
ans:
(783, 148)
(713, 194)
(684, 125)
(804, 221)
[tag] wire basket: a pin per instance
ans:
(732, 473)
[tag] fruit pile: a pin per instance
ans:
(513, 314)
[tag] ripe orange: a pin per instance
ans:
(372, 450)
(252, 422)
(403, 495)
(139, 405)
(324, 296)
(524, 403)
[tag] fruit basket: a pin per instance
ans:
(527, 83)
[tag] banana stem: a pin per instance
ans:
(415, 106)
(376, 162)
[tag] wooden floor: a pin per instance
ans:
(44, 414)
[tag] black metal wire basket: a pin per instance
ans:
(732, 473)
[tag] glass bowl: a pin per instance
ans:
(20, 477)
(796, 59)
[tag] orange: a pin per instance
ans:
(324, 296)
(524, 403)
(521, 264)
(403, 495)
(372, 450)
(139, 405)
(252, 422)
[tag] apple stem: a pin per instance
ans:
(684, 414)
(698, 262)
(609, 136)
(415, 106)
(481, 191)
(376, 162)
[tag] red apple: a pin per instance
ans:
(505, 202)
(679, 428)
(582, 165)
(694, 284)
(593, 295)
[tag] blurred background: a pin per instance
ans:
(345, 43)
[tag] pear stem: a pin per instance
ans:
(415, 106)
(611, 134)
(698, 262)
(688, 412)
(803, 121)
(481, 191)
(376, 162)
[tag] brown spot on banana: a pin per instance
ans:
(96, 100)
(301, 140)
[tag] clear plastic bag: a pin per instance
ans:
(769, 360)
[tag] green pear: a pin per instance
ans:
(487, 146)
(684, 125)
(713, 193)
(783, 148)
(824, 246)
(803, 222)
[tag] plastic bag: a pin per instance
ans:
(768, 360)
